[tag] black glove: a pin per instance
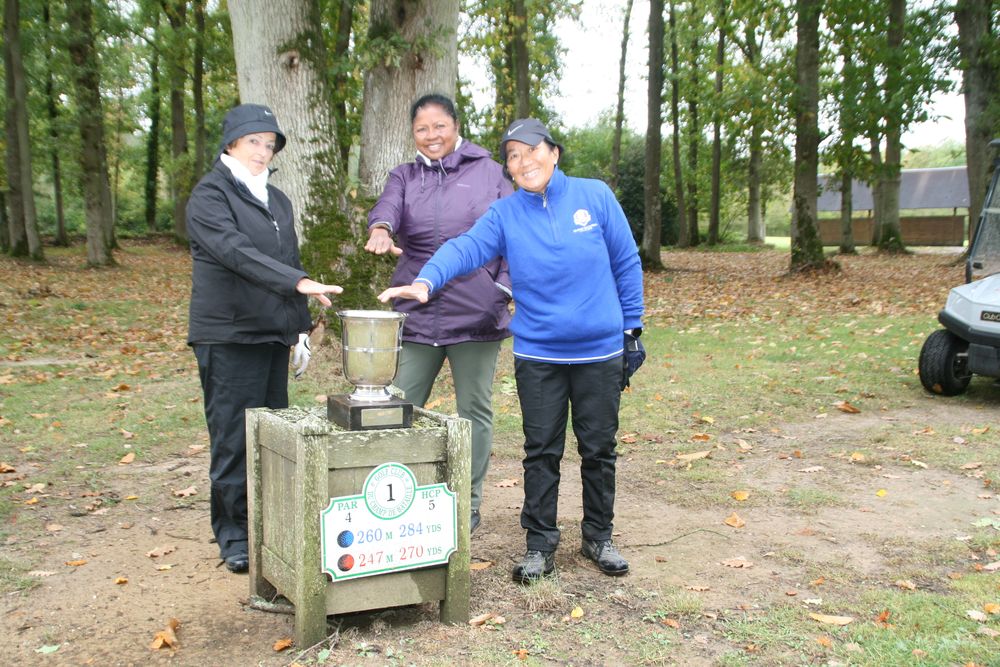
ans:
(634, 355)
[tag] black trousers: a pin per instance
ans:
(546, 393)
(234, 378)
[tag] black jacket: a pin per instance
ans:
(245, 265)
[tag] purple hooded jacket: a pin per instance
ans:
(425, 203)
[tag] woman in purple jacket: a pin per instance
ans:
(426, 202)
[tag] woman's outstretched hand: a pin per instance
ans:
(379, 242)
(418, 291)
(310, 287)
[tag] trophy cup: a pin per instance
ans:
(371, 340)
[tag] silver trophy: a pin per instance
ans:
(371, 341)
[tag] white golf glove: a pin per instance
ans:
(301, 354)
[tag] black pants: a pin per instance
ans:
(546, 391)
(233, 378)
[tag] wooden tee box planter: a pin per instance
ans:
(297, 461)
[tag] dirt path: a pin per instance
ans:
(833, 524)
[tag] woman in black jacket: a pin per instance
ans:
(248, 306)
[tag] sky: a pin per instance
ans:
(589, 82)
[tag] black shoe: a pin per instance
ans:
(238, 563)
(474, 521)
(604, 553)
(534, 566)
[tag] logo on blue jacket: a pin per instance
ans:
(581, 219)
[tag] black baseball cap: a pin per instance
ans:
(247, 119)
(529, 131)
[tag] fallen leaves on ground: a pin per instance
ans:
(739, 563)
(740, 495)
(827, 619)
(734, 521)
(481, 565)
(161, 551)
(906, 584)
(167, 637)
(520, 653)
(76, 563)
(694, 456)
(128, 458)
(282, 644)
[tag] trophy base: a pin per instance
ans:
(354, 415)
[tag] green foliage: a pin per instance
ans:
(486, 34)
(949, 153)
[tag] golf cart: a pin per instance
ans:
(970, 341)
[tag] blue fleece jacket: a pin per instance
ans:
(574, 268)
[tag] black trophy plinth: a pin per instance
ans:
(355, 415)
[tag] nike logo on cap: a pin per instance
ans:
(514, 129)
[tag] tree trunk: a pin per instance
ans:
(22, 172)
(290, 80)
(683, 233)
(151, 188)
(720, 59)
(846, 151)
(807, 250)
(4, 224)
(846, 213)
(652, 221)
(890, 237)
(180, 167)
(756, 232)
(198, 90)
(522, 83)
(17, 240)
(386, 139)
(694, 137)
(90, 120)
(981, 89)
(345, 22)
(616, 141)
(61, 238)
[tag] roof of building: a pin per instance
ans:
(941, 187)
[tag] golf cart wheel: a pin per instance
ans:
(944, 367)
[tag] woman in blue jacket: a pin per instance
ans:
(439, 195)
(577, 282)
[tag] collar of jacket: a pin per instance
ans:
(240, 186)
(464, 151)
(556, 186)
